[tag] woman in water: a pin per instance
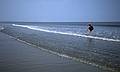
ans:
(90, 28)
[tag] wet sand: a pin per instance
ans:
(16, 56)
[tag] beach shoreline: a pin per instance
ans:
(76, 66)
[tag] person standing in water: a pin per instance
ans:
(90, 27)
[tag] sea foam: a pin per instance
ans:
(65, 33)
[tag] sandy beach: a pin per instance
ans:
(16, 56)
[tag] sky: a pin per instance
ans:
(60, 10)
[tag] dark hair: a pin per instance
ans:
(89, 24)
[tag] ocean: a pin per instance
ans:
(100, 48)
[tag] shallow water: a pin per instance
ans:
(100, 48)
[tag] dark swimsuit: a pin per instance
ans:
(91, 28)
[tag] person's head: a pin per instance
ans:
(89, 24)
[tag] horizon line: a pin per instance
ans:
(54, 21)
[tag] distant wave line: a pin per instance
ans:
(65, 33)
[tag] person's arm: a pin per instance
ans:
(88, 28)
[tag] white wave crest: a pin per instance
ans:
(65, 33)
